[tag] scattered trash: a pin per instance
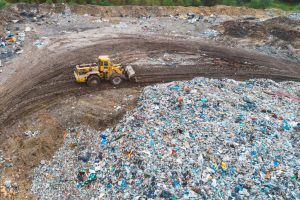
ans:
(98, 21)
(20, 51)
(32, 133)
(86, 177)
(1, 157)
(9, 189)
(27, 29)
(21, 36)
(7, 183)
(294, 16)
(118, 108)
(171, 60)
(121, 25)
(192, 17)
(40, 43)
(209, 33)
(270, 13)
(11, 44)
(284, 94)
(198, 139)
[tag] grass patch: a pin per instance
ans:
(286, 6)
(3, 4)
(259, 4)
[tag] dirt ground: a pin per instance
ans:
(37, 88)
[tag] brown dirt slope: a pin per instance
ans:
(51, 75)
(137, 11)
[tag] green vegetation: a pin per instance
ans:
(2, 4)
(286, 6)
(260, 4)
(293, 5)
(283, 4)
(290, 5)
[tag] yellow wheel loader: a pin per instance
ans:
(104, 69)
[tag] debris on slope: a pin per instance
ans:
(197, 139)
(11, 44)
(295, 16)
(278, 36)
(9, 189)
(30, 133)
(282, 27)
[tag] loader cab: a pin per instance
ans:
(104, 64)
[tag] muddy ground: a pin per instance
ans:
(37, 87)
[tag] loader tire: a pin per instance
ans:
(93, 81)
(116, 80)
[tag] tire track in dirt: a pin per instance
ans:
(52, 79)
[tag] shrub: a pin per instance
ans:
(2, 4)
(104, 3)
(229, 2)
(260, 3)
(167, 2)
(209, 2)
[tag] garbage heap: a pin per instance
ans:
(11, 44)
(198, 139)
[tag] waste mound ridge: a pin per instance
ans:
(198, 139)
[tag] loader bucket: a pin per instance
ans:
(129, 71)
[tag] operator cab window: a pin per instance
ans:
(105, 64)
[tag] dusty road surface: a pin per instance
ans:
(41, 93)
(52, 76)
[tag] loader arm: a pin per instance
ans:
(118, 70)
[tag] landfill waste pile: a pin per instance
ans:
(9, 189)
(5, 163)
(11, 44)
(295, 16)
(198, 139)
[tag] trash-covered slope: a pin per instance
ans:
(197, 139)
